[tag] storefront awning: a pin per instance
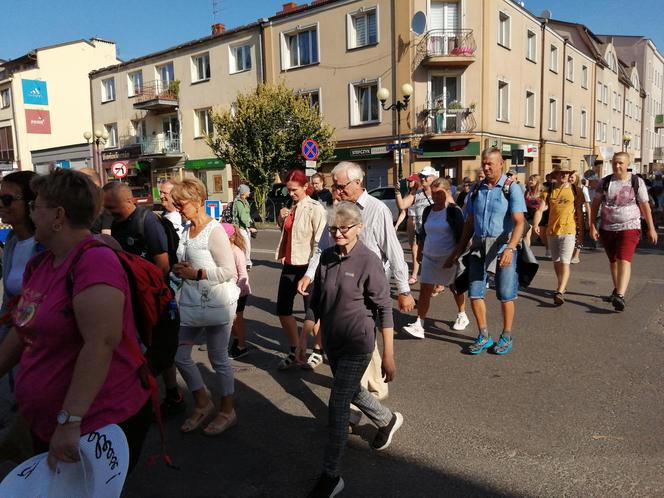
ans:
(449, 148)
(212, 163)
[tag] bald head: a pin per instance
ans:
(118, 200)
(94, 176)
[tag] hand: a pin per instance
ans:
(406, 303)
(593, 232)
(303, 285)
(452, 260)
(388, 368)
(252, 230)
(185, 270)
(64, 445)
(536, 230)
(506, 258)
(652, 236)
(284, 212)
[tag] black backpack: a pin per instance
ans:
(172, 237)
(606, 181)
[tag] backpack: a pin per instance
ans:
(172, 237)
(454, 216)
(506, 190)
(606, 181)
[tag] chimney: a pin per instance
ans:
(218, 28)
(287, 7)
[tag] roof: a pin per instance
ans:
(177, 48)
(32, 55)
(591, 41)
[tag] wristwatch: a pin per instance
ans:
(64, 417)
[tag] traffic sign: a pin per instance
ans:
(213, 208)
(391, 147)
(310, 149)
(417, 150)
(119, 169)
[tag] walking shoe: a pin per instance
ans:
(236, 351)
(618, 302)
(461, 322)
(480, 344)
(327, 487)
(415, 329)
(558, 298)
(575, 261)
(503, 346)
(314, 361)
(547, 254)
(287, 362)
(384, 435)
(609, 298)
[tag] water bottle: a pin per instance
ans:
(173, 309)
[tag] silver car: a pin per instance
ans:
(388, 197)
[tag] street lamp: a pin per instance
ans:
(96, 145)
(626, 141)
(398, 105)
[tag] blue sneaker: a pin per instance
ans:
(480, 344)
(503, 346)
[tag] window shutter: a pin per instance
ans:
(437, 15)
(372, 35)
(360, 30)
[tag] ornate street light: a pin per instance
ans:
(96, 145)
(398, 105)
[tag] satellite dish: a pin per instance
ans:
(546, 14)
(419, 24)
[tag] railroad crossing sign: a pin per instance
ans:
(119, 169)
(310, 149)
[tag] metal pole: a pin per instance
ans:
(400, 173)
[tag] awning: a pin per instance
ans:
(360, 153)
(211, 163)
(449, 148)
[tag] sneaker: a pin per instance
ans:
(609, 298)
(618, 302)
(547, 254)
(172, 405)
(314, 361)
(384, 435)
(558, 298)
(503, 346)
(481, 343)
(415, 329)
(236, 352)
(461, 322)
(287, 362)
(327, 487)
(575, 261)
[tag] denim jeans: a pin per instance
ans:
(507, 280)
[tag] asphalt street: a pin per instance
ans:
(574, 410)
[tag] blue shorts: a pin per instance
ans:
(507, 280)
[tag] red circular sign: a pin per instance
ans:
(119, 169)
(310, 149)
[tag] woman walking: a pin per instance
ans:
(239, 331)
(302, 227)
(207, 267)
(349, 293)
(242, 219)
(533, 201)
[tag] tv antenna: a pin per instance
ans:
(546, 14)
(216, 7)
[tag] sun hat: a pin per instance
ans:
(429, 171)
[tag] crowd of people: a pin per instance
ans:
(78, 371)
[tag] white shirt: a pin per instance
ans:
(176, 219)
(440, 238)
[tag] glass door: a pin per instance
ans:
(171, 129)
(444, 98)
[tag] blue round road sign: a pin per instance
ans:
(310, 149)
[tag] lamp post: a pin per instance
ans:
(626, 141)
(398, 105)
(96, 146)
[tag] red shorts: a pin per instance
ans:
(620, 245)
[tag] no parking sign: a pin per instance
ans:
(310, 149)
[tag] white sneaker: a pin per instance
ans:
(415, 329)
(461, 322)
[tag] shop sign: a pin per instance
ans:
(211, 163)
(129, 152)
(530, 150)
(34, 92)
(38, 121)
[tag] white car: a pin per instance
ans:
(388, 197)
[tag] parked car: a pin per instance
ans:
(142, 195)
(388, 196)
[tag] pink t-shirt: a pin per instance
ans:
(45, 322)
(242, 274)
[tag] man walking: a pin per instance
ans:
(495, 220)
(169, 212)
(623, 198)
(565, 208)
(321, 194)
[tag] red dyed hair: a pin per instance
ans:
(298, 176)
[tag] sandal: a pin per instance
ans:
(221, 423)
(558, 298)
(412, 280)
(287, 362)
(197, 418)
(314, 361)
(438, 289)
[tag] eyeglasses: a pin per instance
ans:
(343, 230)
(33, 205)
(8, 199)
(341, 187)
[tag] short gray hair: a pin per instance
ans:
(344, 214)
(491, 150)
(353, 170)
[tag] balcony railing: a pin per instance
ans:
(159, 145)
(659, 121)
(658, 153)
(447, 46)
(433, 120)
(157, 95)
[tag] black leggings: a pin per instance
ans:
(135, 429)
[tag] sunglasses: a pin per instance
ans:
(343, 230)
(341, 187)
(8, 199)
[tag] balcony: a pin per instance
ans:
(157, 96)
(659, 121)
(160, 146)
(435, 120)
(446, 47)
(658, 154)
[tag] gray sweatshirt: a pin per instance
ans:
(348, 295)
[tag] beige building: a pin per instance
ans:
(156, 109)
(44, 110)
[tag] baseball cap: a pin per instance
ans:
(413, 178)
(429, 171)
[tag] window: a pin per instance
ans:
(138, 130)
(134, 83)
(112, 130)
(584, 77)
(362, 28)
(531, 46)
(637, 142)
(530, 108)
(553, 59)
(203, 124)
(584, 123)
(616, 139)
(300, 48)
(614, 104)
(569, 70)
(200, 66)
(5, 98)
(503, 101)
(603, 132)
(569, 116)
(619, 102)
(108, 90)
(598, 131)
(504, 30)
(240, 58)
(599, 91)
(6, 144)
(313, 97)
(166, 74)
(553, 113)
(364, 103)
(605, 94)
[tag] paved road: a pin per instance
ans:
(574, 410)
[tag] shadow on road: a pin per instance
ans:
(544, 298)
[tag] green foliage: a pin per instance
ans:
(262, 136)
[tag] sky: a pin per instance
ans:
(139, 27)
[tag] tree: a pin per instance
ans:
(262, 134)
